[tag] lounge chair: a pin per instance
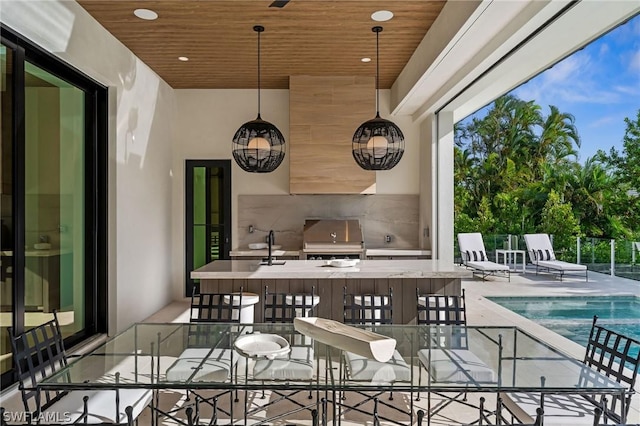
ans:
(542, 256)
(474, 256)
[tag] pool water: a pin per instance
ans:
(572, 316)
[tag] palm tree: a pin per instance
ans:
(592, 189)
(559, 134)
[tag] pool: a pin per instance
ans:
(572, 316)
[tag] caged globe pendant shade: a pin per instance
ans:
(378, 144)
(258, 146)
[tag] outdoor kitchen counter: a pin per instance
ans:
(369, 276)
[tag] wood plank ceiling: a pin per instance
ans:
(306, 37)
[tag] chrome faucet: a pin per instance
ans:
(270, 241)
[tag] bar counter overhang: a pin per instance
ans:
(367, 277)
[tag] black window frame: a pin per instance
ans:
(96, 185)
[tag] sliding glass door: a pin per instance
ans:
(7, 60)
(53, 201)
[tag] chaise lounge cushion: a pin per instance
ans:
(474, 254)
(539, 248)
(487, 266)
(541, 254)
(561, 266)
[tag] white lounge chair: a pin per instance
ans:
(542, 256)
(474, 256)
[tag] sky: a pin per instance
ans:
(599, 85)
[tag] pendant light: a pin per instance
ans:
(258, 146)
(378, 144)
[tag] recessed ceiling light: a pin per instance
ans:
(183, 58)
(146, 14)
(382, 15)
(366, 59)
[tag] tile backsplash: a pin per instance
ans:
(379, 215)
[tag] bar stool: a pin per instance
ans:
(246, 303)
(372, 309)
(298, 365)
(302, 303)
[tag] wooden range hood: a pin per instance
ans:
(323, 114)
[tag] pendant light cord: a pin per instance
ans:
(259, 74)
(377, 30)
(258, 29)
(377, 75)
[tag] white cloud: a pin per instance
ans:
(584, 93)
(529, 91)
(635, 27)
(608, 119)
(628, 90)
(566, 69)
(634, 64)
(574, 80)
(604, 49)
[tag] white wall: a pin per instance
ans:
(206, 121)
(405, 177)
(140, 150)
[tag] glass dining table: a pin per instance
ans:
(435, 359)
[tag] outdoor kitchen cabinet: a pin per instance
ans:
(298, 276)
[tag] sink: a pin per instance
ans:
(42, 246)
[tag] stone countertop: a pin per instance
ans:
(316, 269)
(397, 252)
(262, 253)
(38, 253)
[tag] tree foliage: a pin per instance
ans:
(516, 171)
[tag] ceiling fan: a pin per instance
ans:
(279, 3)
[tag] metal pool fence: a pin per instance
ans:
(619, 258)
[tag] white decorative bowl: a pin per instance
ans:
(269, 346)
(342, 263)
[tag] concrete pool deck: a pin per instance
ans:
(481, 311)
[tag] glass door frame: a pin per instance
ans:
(190, 165)
(96, 185)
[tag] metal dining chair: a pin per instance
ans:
(38, 353)
(609, 353)
(374, 309)
(447, 356)
(299, 364)
(208, 356)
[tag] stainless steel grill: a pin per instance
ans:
(326, 238)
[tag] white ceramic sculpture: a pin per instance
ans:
(357, 340)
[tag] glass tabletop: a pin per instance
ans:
(426, 358)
